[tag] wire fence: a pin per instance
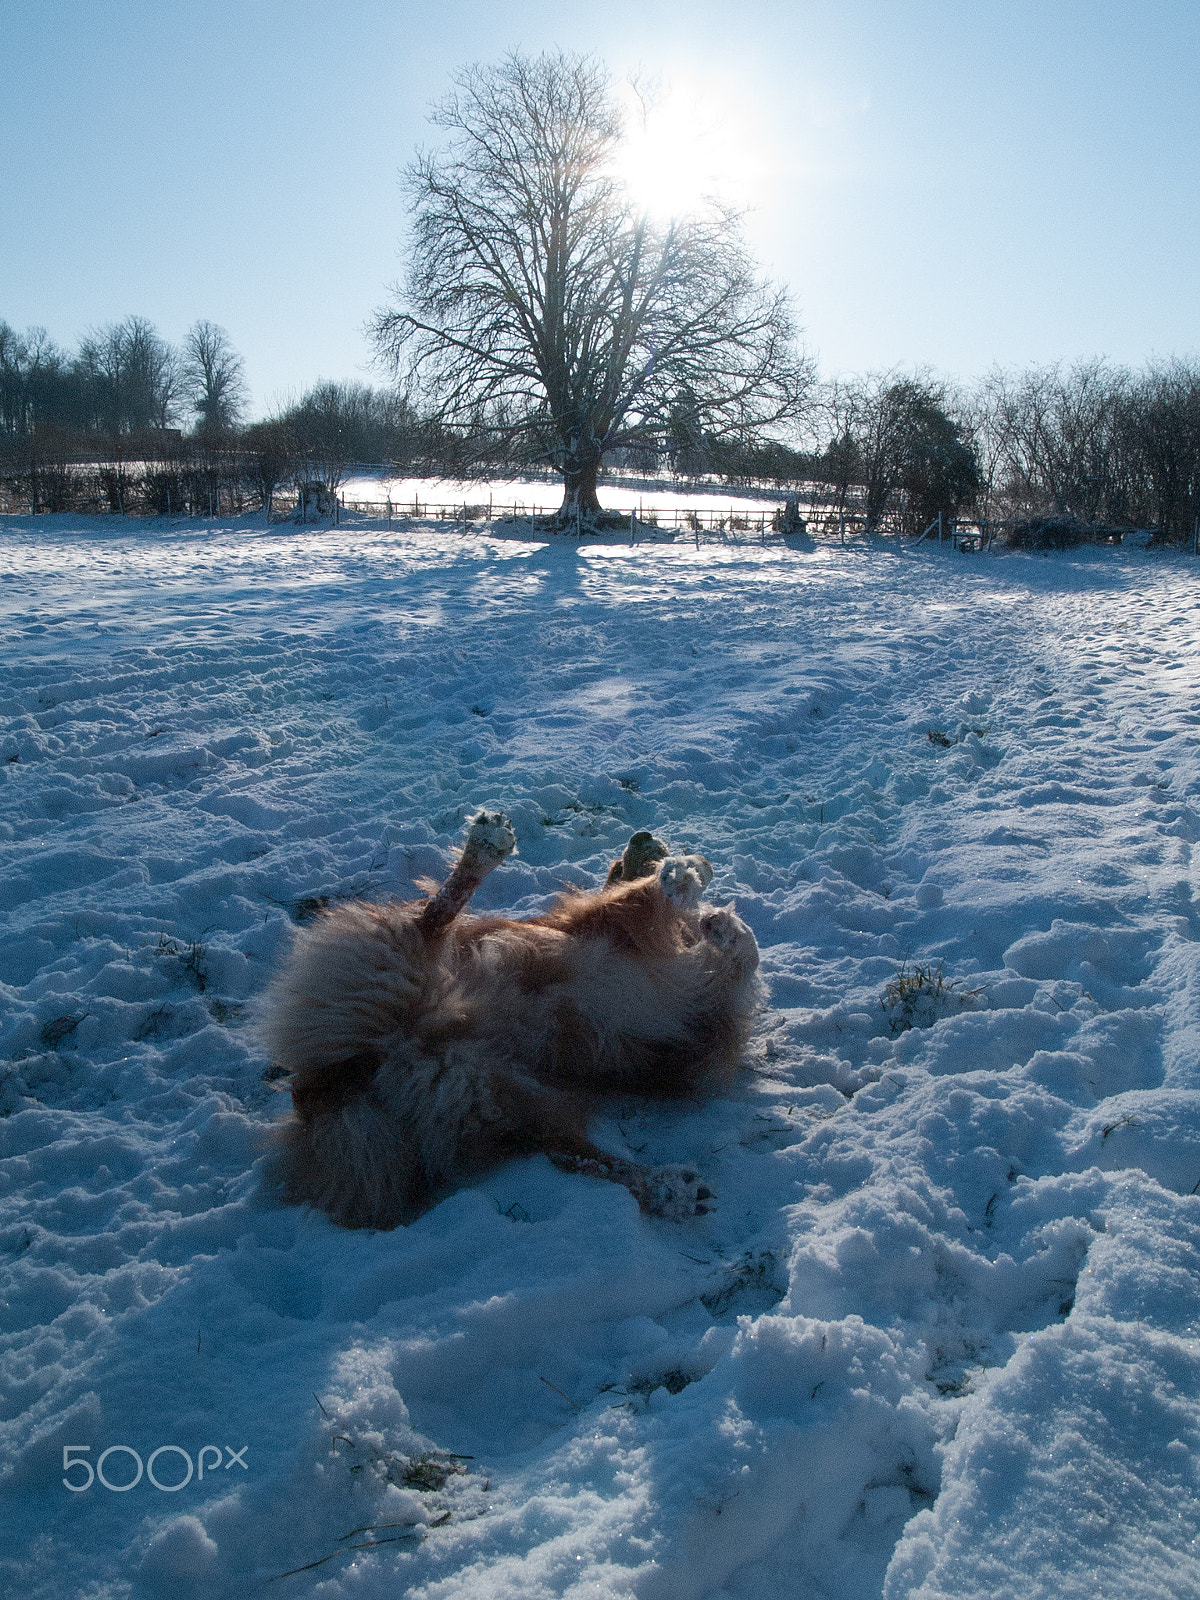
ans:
(776, 523)
(816, 513)
(645, 522)
(703, 524)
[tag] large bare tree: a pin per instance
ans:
(546, 318)
(214, 378)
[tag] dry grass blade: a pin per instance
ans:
(378, 1527)
(365, 1544)
(558, 1391)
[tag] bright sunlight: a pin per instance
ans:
(681, 151)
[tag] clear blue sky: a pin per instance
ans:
(942, 182)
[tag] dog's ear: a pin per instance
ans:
(642, 855)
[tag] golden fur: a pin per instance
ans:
(423, 1047)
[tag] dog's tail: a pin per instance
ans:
(352, 979)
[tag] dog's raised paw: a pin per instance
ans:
(675, 1193)
(491, 835)
(684, 879)
(722, 927)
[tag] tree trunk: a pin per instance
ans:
(579, 491)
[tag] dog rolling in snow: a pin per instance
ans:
(424, 1046)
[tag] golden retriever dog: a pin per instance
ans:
(424, 1046)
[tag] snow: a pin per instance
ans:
(939, 1338)
(539, 495)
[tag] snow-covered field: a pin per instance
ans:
(535, 495)
(939, 1339)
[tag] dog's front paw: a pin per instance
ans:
(724, 929)
(675, 1193)
(491, 836)
(684, 879)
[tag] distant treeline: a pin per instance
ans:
(121, 379)
(1092, 445)
(129, 422)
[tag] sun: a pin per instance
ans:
(680, 153)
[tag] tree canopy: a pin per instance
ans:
(545, 316)
(895, 437)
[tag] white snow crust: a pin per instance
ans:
(939, 1337)
(540, 495)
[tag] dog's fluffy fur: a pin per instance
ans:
(423, 1047)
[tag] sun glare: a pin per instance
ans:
(680, 152)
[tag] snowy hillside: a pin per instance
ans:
(938, 1339)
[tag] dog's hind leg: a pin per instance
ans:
(489, 841)
(724, 930)
(672, 1192)
(683, 879)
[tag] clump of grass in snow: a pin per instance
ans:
(189, 956)
(154, 1023)
(428, 1473)
(674, 1382)
(944, 742)
(919, 996)
(756, 1271)
(60, 1028)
